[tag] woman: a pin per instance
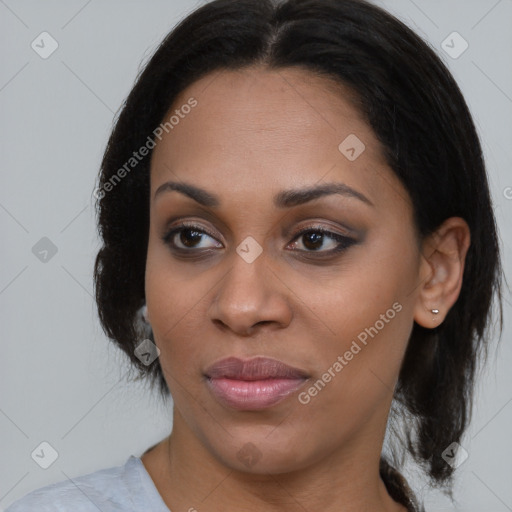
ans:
(294, 199)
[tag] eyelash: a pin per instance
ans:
(344, 242)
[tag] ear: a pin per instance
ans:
(443, 257)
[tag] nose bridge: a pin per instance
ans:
(245, 285)
(249, 294)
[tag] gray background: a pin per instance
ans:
(60, 380)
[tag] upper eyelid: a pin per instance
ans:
(188, 225)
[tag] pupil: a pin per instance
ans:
(314, 239)
(194, 237)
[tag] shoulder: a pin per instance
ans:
(107, 490)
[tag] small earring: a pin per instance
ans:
(435, 311)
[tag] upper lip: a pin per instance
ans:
(257, 368)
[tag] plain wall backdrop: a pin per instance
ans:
(61, 381)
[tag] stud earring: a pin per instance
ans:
(435, 311)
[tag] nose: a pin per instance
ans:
(250, 296)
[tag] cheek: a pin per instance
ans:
(171, 303)
(356, 368)
(367, 308)
(370, 282)
(169, 293)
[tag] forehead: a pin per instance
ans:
(257, 128)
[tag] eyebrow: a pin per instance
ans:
(284, 199)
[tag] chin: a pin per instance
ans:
(266, 451)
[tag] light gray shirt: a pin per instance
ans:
(117, 489)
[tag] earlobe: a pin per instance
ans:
(144, 312)
(442, 268)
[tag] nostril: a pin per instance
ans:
(263, 322)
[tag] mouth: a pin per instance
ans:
(254, 384)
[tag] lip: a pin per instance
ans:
(253, 384)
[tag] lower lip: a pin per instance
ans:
(253, 395)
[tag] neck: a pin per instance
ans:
(189, 477)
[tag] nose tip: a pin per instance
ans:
(249, 298)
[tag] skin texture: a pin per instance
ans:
(254, 133)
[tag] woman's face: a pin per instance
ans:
(268, 155)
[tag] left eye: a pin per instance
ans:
(321, 240)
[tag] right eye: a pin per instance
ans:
(188, 237)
